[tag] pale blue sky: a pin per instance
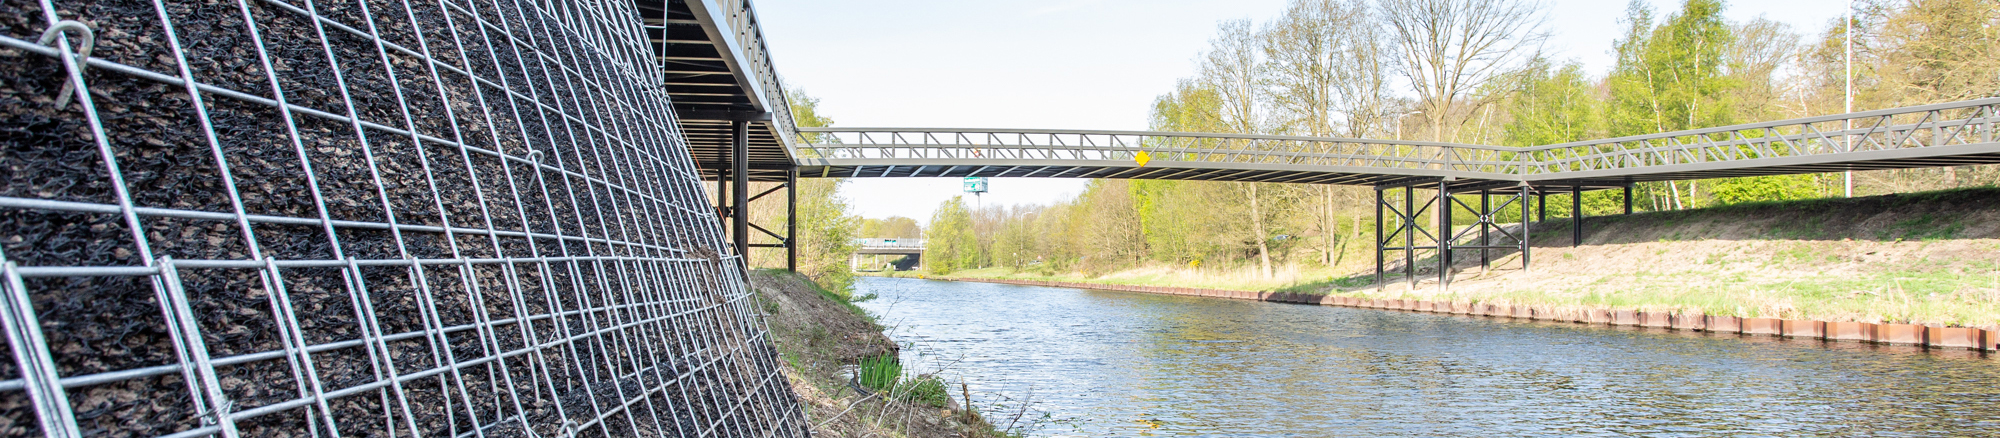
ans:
(1087, 64)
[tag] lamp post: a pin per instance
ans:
(1399, 122)
(1848, 124)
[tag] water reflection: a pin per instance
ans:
(1126, 364)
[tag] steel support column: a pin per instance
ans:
(1527, 231)
(792, 219)
(1576, 216)
(1409, 234)
(1444, 234)
(1380, 244)
(722, 198)
(1542, 208)
(1485, 233)
(739, 212)
(1628, 199)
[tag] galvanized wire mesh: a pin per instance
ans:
(360, 218)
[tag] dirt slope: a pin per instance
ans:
(821, 338)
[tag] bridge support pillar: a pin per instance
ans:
(1380, 244)
(792, 219)
(1526, 230)
(1445, 234)
(1628, 199)
(1409, 234)
(1485, 233)
(1576, 216)
(1541, 207)
(739, 175)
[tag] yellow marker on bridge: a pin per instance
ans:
(1142, 158)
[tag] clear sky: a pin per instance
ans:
(1083, 64)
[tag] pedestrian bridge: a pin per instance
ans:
(871, 250)
(1950, 134)
(888, 246)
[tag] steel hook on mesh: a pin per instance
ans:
(89, 38)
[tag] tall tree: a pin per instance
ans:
(1553, 105)
(949, 244)
(825, 224)
(1232, 67)
(893, 227)
(1327, 75)
(1451, 48)
(1671, 77)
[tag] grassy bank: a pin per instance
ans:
(844, 370)
(1927, 258)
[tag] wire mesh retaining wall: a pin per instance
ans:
(360, 218)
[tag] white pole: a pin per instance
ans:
(1849, 123)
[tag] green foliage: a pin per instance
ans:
(893, 227)
(949, 244)
(1671, 77)
(825, 225)
(879, 372)
(1553, 105)
(885, 373)
(1761, 188)
(927, 390)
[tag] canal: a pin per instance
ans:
(1106, 363)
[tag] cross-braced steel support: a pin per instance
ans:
(1484, 234)
(1407, 226)
(738, 215)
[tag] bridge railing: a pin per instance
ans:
(1929, 126)
(889, 243)
(741, 19)
(1160, 147)
(1914, 131)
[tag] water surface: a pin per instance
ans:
(1106, 363)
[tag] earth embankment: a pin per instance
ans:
(825, 340)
